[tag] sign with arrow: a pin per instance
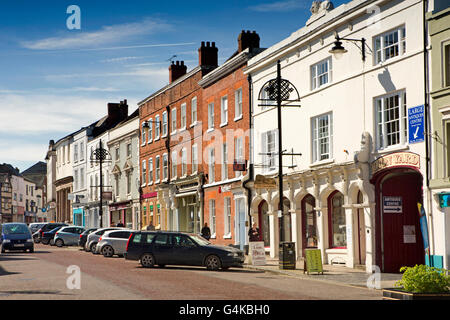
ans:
(416, 124)
(392, 204)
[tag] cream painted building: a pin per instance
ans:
(353, 192)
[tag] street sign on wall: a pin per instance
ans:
(416, 124)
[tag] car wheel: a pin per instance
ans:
(59, 242)
(147, 260)
(31, 250)
(3, 250)
(107, 251)
(45, 241)
(93, 248)
(213, 262)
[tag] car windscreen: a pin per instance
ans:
(199, 240)
(15, 229)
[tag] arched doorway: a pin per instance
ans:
(399, 240)
(309, 223)
(264, 224)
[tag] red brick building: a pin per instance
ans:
(170, 147)
(226, 121)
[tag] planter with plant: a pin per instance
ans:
(420, 282)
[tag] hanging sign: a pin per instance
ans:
(262, 182)
(416, 127)
(313, 261)
(392, 204)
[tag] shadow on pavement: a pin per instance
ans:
(186, 268)
(3, 272)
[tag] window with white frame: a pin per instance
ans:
(116, 177)
(143, 134)
(128, 150)
(183, 162)
(391, 120)
(322, 135)
(157, 127)
(144, 172)
(165, 166)
(75, 180)
(150, 170)
(117, 153)
(227, 216)
(150, 130)
(81, 151)
(389, 44)
(224, 110)
(238, 103)
(173, 120)
(239, 152)
(212, 217)
(194, 110)
(320, 73)
(128, 182)
(164, 124)
(157, 169)
(210, 115)
(75, 153)
(194, 157)
(211, 164)
(224, 162)
(174, 164)
(81, 178)
(269, 148)
(183, 116)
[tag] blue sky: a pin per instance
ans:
(55, 80)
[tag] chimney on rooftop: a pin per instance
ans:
(208, 54)
(248, 39)
(176, 71)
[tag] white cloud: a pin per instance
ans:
(280, 6)
(106, 35)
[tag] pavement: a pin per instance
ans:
(336, 274)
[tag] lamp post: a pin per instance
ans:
(100, 155)
(280, 91)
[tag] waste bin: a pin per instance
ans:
(287, 257)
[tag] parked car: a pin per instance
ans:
(83, 237)
(93, 238)
(178, 248)
(48, 227)
(16, 236)
(68, 236)
(48, 236)
(35, 226)
(113, 242)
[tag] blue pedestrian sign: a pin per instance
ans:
(416, 124)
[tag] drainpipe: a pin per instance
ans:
(250, 175)
(426, 124)
(169, 167)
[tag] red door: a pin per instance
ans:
(402, 239)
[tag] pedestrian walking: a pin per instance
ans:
(253, 233)
(151, 227)
(206, 232)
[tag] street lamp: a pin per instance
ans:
(338, 50)
(284, 93)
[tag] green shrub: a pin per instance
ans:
(424, 279)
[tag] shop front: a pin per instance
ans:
(398, 183)
(78, 216)
(148, 207)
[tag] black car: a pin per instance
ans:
(177, 248)
(37, 236)
(47, 237)
(84, 235)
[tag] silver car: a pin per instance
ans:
(68, 236)
(113, 242)
(92, 238)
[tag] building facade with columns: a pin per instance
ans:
(353, 191)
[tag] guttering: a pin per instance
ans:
(249, 176)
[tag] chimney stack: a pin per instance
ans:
(247, 39)
(176, 71)
(208, 54)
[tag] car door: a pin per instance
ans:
(185, 251)
(163, 249)
(120, 242)
(76, 235)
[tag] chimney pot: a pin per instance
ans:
(208, 55)
(176, 70)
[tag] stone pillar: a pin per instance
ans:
(369, 221)
(322, 226)
(295, 231)
(349, 214)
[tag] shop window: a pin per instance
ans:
(337, 223)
